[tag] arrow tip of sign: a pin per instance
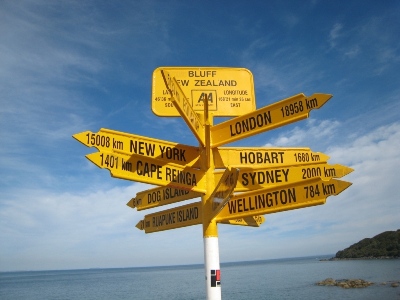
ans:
(322, 98)
(347, 170)
(139, 225)
(323, 156)
(342, 185)
(132, 203)
(343, 170)
(260, 220)
(327, 96)
(92, 157)
(80, 137)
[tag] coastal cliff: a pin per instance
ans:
(383, 245)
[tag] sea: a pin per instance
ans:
(290, 278)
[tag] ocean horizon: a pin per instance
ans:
(323, 256)
(283, 278)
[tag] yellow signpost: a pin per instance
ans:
(149, 170)
(182, 216)
(268, 180)
(269, 117)
(111, 140)
(160, 196)
(224, 189)
(187, 215)
(230, 91)
(183, 106)
(243, 157)
(256, 178)
(281, 198)
(254, 221)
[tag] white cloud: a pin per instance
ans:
(291, 20)
(313, 129)
(379, 145)
(55, 72)
(335, 34)
(40, 230)
(353, 52)
(370, 206)
(371, 43)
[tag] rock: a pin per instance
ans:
(346, 283)
(394, 284)
(343, 284)
(328, 281)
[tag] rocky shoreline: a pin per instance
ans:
(353, 283)
(359, 258)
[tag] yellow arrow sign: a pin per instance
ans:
(182, 216)
(187, 215)
(184, 108)
(111, 140)
(230, 91)
(149, 170)
(224, 189)
(269, 117)
(254, 221)
(242, 157)
(160, 196)
(257, 178)
(281, 198)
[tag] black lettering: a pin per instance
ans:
(328, 189)
(240, 205)
(126, 166)
(118, 144)
(243, 157)
(253, 177)
(331, 172)
(245, 181)
(142, 148)
(183, 82)
(179, 176)
(313, 103)
(232, 206)
(251, 123)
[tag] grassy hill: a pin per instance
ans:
(385, 244)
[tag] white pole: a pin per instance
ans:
(210, 230)
(212, 268)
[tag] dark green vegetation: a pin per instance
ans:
(383, 245)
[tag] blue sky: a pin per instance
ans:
(72, 66)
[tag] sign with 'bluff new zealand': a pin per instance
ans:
(232, 185)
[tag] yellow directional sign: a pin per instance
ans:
(254, 221)
(230, 91)
(242, 157)
(184, 108)
(149, 170)
(257, 178)
(187, 215)
(224, 189)
(111, 140)
(266, 180)
(160, 196)
(182, 216)
(269, 117)
(281, 198)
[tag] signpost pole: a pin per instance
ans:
(306, 178)
(210, 230)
